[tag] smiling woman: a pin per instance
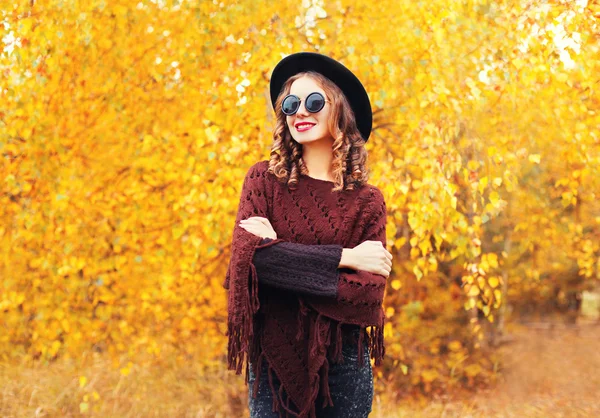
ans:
(308, 263)
(303, 93)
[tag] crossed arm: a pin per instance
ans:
(308, 269)
(301, 268)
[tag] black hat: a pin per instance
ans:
(333, 70)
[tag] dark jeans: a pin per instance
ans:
(351, 388)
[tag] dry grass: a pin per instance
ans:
(159, 390)
(548, 374)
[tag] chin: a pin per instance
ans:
(304, 139)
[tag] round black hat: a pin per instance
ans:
(333, 70)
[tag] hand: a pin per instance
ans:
(373, 257)
(258, 226)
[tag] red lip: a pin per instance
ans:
(304, 123)
(304, 128)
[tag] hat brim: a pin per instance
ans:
(336, 72)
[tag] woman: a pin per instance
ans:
(308, 263)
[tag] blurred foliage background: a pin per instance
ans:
(126, 129)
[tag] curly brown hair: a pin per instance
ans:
(349, 153)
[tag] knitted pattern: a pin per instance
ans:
(299, 334)
(300, 268)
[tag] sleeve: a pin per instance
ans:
(253, 202)
(355, 285)
(241, 279)
(300, 268)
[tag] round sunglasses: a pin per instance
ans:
(314, 102)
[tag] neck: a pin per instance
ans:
(318, 157)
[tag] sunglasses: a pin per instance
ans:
(314, 102)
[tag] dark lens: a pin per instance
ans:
(290, 105)
(315, 102)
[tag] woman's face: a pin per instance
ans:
(317, 123)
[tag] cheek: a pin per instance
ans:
(323, 121)
(289, 121)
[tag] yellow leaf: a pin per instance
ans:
(212, 134)
(455, 345)
(25, 26)
(481, 282)
(494, 197)
(54, 348)
(26, 133)
(493, 260)
(519, 63)
(388, 329)
(414, 253)
(535, 158)
(493, 281)
(483, 182)
(473, 370)
(400, 242)
(429, 375)
(473, 291)
(417, 272)
(425, 246)
(473, 165)
(404, 368)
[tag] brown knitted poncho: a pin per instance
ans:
(299, 335)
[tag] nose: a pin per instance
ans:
(302, 110)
